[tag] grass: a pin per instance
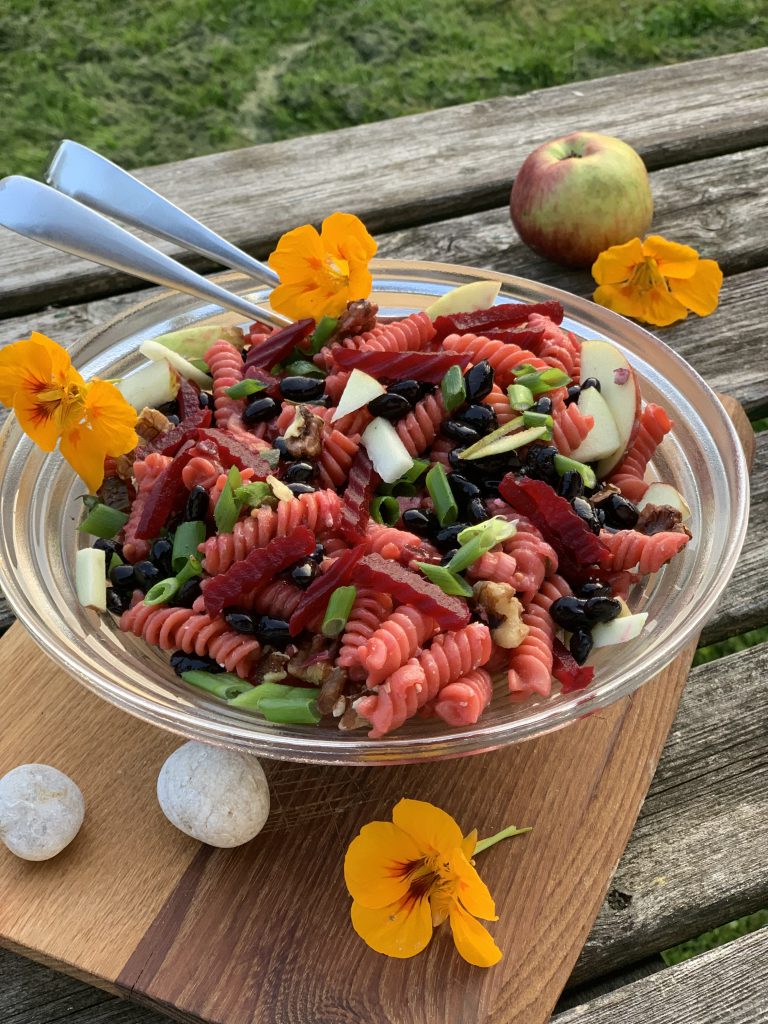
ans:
(716, 937)
(145, 82)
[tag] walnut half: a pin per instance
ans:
(503, 608)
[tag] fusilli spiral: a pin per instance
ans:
(146, 472)
(502, 356)
(570, 426)
(630, 549)
(557, 347)
(462, 702)
(368, 612)
(530, 664)
(226, 366)
(394, 642)
(628, 475)
(419, 428)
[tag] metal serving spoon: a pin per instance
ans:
(41, 213)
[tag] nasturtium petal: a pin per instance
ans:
(40, 421)
(345, 236)
(701, 292)
(401, 929)
(473, 941)
(472, 890)
(85, 454)
(111, 418)
(434, 831)
(615, 264)
(376, 866)
(674, 259)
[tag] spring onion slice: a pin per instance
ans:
(337, 612)
(161, 592)
(453, 388)
(488, 524)
(302, 368)
(227, 508)
(285, 705)
(385, 510)
(192, 567)
(91, 578)
(520, 397)
(221, 684)
(321, 334)
(255, 494)
(495, 435)
(440, 492)
(200, 364)
(563, 464)
(186, 541)
(245, 388)
(103, 521)
(538, 419)
(539, 381)
(114, 561)
(477, 546)
(448, 581)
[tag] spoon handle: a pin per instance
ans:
(41, 213)
(94, 181)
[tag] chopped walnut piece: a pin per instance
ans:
(660, 519)
(304, 437)
(351, 720)
(504, 612)
(151, 423)
(357, 318)
(124, 465)
(272, 667)
(313, 663)
(331, 690)
(605, 492)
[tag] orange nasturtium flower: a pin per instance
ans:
(320, 273)
(52, 402)
(656, 281)
(409, 875)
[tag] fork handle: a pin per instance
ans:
(93, 180)
(41, 213)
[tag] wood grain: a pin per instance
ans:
(671, 115)
(727, 985)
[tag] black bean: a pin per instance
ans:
(459, 432)
(448, 556)
(594, 588)
(183, 662)
(302, 389)
(479, 469)
(481, 418)
(476, 511)
(117, 603)
(463, 489)
(491, 488)
(580, 645)
(409, 389)
(571, 485)
(296, 489)
(204, 400)
(569, 613)
(543, 405)
(304, 572)
(147, 574)
(110, 548)
(169, 408)
(573, 394)
(187, 593)
(420, 521)
(160, 554)
(425, 388)
(602, 609)
(123, 578)
(389, 405)
(586, 513)
(620, 513)
(173, 420)
(318, 554)
(590, 382)
(241, 621)
(272, 631)
(299, 473)
(540, 463)
(445, 537)
(479, 381)
(260, 409)
(280, 446)
(196, 508)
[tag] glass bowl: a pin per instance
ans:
(39, 512)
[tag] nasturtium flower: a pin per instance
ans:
(53, 403)
(320, 273)
(656, 281)
(410, 875)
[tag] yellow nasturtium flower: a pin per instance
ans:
(409, 875)
(53, 403)
(656, 281)
(320, 273)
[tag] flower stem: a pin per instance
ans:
(506, 833)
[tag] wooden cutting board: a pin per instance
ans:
(261, 934)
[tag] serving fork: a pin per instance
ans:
(68, 214)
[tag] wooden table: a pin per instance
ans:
(434, 186)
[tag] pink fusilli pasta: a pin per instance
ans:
(368, 612)
(570, 426)
(530, 664)
(399, 545)
(462, 702)
(630, 549)
(628, 475)
(336, 457)
(557, 347)
(146, 471)
(499, 402)
(394, 642)
(226, 366)
(419, 428)
(502, 356)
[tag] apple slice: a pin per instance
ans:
(666, 494)
(618, 631)
(359, 390)
(194, 342)
(152, 350)
(465, 299)
(390, 458)
(618, 386)
(151, 385)
(603, 439)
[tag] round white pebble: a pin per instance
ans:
(41, 811)
(218, 796)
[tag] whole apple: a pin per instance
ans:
(578, 195)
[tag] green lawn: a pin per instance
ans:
(146, 82)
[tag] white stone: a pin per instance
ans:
(218, 796)
(41, 811)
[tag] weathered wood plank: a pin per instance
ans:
(727, 985)
(696, 856)
(425, 166)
